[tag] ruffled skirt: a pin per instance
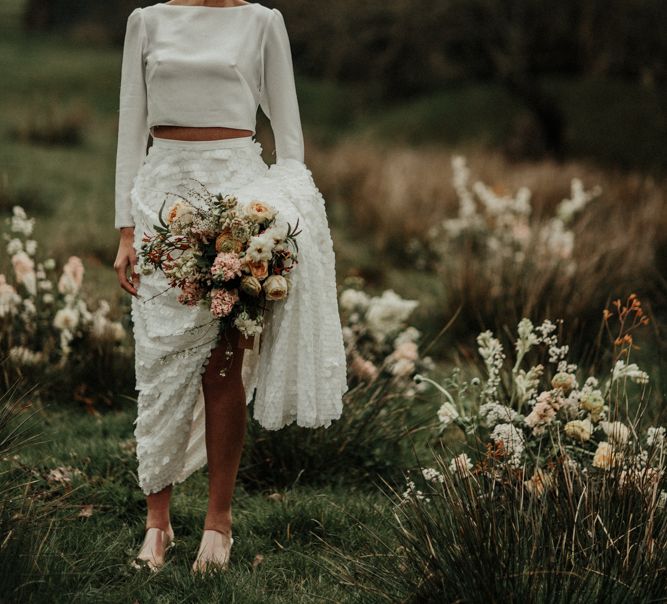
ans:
(296, 370)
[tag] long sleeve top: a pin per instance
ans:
(203, 66)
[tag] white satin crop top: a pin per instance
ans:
(189, 65)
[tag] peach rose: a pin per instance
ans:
(259, 270)
(251, 285)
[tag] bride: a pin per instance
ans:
(193, 75)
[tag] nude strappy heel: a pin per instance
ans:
(214, 551)
(155, 545)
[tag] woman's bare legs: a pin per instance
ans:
(158, 509)
(225, 431)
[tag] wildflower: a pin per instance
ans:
(593, 402)
(539, 482)
(527, 382)
(364, 369)
(578, 429)
(492, 414)
(387, 313)
(412, 490)
(20, 355)
(461, 465)
(632, 372)
(564, 381)
(66, 319)
(605, 457)
(9, 298)
(655, 436)
(541, 415)
(20, 223)
(527, 337)
(432, 475)
(72, 277)
(617, 432)
(351, 299)
(447, 414)
(512, 441)
(14, 246)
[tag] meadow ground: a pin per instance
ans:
(79, 514)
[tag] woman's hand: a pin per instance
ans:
(127, 258)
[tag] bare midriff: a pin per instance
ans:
(198, 133)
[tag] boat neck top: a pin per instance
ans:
(191, 65)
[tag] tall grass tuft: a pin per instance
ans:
(590, 537)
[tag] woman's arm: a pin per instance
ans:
(132, 141)
(278, 91)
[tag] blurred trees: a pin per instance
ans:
(400, 48)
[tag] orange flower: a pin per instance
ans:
(259, 270)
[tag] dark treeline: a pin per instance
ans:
(409, 47)
(401, 48)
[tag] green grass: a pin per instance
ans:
(86, 559)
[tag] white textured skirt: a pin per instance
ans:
(296, 370)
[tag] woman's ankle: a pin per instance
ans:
(219, 521)
(161, 522)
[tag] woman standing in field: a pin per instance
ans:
(193, 75)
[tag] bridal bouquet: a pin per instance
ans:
(230, 257)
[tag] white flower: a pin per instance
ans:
(247, 325)
(512, 440)
(14, 246)
(31, 247)
(617, 432)
(527, 337)
(447, 413)
(412, 491)
(260, 248)
(621, 370)
(387, 314)
(656, 436)
(20, 223)
(492, 414)
(9, 298)
(432, 475)
(352, 299)
(66, 319)
(461, 465)
(20, 355)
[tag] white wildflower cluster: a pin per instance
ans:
(631, 372)
(412, 492)
(432, 475)
(536, 407)
(491, 350)
(48, 310)
(504, 223)
(461, 465)
(512, 441)
(491, 414)
(378, 339)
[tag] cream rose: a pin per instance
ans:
(275, 287)
(259, 211)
